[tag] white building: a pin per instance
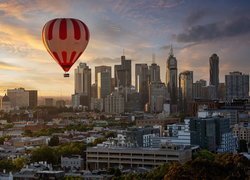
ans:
(73, 162)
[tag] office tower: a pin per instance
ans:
(185, 89)
(22, 98)
(49, 102)
(237, 86)
(114, 103)
(60, 103)
(171, 77)
(157, 96)
(82, 94)
(214, 71)
(141, 82)
(103, 83)
(32, 98)
(154, 73)
(212, 133)
(198, 89)
(99, 69)
(123, 73)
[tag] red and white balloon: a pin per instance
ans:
(65, 39)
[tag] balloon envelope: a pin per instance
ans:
(65, 39)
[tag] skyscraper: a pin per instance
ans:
(214, 71)
(237, 85)
(171, 77)
(154, 73)
(103, 84)
(123, 73)
(185, 89)
(82, 94)
(141, 81)
(101, 69)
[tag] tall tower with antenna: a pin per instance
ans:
(171, 76)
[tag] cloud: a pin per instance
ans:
(216, 30)
(196, 16)
(105, 60)
(7, 66)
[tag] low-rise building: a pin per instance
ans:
(73, 162)
(118, 157)
(242, 131)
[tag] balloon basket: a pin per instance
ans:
(66, 75)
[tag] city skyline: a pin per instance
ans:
(196, 30)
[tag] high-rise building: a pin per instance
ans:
(171, 77)
(185, 89)
(214, 71)
(82, 86)
(141, 81)
(123, 73)
(198, 89)
(22, 98)
(154, 73)
(103, 82)
(157, 96)
(101, 69)
(237, 86)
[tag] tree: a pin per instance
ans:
(44, 153)
(242, 145)
(19, 163)
(54, 141)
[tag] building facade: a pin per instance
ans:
(117, 157)
(237, 86)
(114, 103)
(185, 89)
(214, 71)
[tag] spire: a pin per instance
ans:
(153, 58)
(123, 52)
(171, 53)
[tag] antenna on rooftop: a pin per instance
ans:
(153, 58)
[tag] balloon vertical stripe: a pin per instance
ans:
(63, 29)
(72, 57)
(50, 31)
(86, 31)
(77, 32)
(64, 56)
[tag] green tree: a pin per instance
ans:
(54, 141)
(44, 153)
(19, 163)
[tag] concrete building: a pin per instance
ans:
(198, 89)
(185, 89)
(171, 77)
(6, 104)
(123, 73)
(141, 81)
(118, 157)
(82, 86)
(242, 131)
(49, 102)
(154, 73)
(213, 133)
(114, 103)
(158, 95)
(22, 98)
(72, 162)
(103, 81)
(214, 72)
(237, 86)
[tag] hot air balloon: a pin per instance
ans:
(65, 39)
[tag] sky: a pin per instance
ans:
(195, 28)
